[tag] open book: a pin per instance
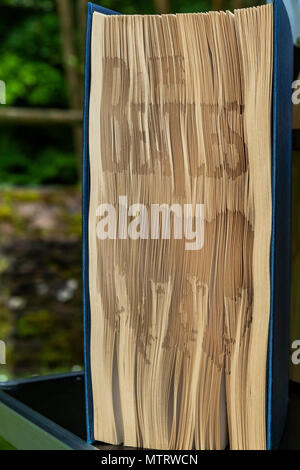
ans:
(185, 239)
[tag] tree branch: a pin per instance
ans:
(37, 116)
(70, 62)
(162, 6)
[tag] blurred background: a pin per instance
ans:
(41, 63)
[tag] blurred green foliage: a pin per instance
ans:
(30, 54)
(25, 160)
(31, 66)
(51, 165)
(30, 62)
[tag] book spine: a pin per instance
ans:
(85, 218)
(278, 354)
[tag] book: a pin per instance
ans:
(186, 200)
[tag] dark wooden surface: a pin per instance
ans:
(61, 399)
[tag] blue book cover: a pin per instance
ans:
(278, 349)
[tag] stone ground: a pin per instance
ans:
(40, 289)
